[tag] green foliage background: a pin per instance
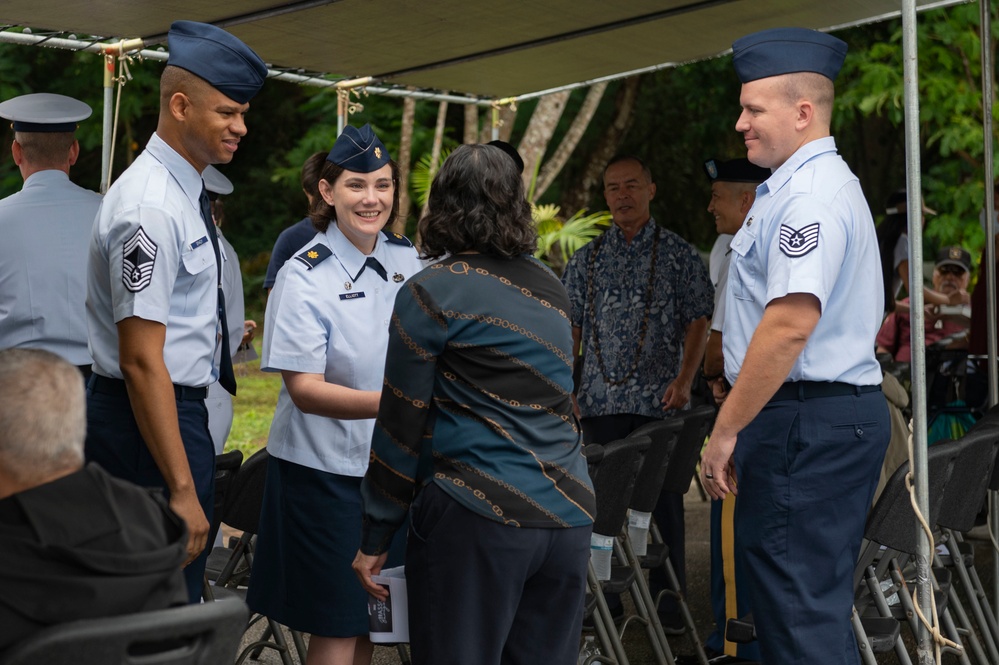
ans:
(683, 117)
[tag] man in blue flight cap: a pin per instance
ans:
(155, 306)
(45, 228)
(805, 426)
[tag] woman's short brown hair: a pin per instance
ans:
(477, 203)
(322, 213)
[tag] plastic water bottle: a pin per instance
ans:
(638, 531)
(601, 548)
(590, 648)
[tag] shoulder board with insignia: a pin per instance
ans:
(315, 255)
(396, 238)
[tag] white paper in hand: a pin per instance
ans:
(388, 620)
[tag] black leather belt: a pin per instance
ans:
(814, 389)
(109, 386)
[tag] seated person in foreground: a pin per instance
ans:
(75, 543)
(950, 275)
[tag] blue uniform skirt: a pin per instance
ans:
(310, 531)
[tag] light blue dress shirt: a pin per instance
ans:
(721, 256)
(315, 323)
(151, 257)
(809, 231)
(43, 265)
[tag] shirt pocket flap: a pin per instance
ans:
(198, 256)
(742, 243)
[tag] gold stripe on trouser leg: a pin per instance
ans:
(728, 565)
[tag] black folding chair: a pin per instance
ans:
(226, 467)
(613, 469)
(231, 567)
(205, 634)
(973, 473)
(697, 424)
(891, 537)
(665, 454)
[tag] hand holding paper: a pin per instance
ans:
(366, 565)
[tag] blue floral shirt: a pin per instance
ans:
(608, 282)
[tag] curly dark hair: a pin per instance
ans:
(477, 203)
(322, 213)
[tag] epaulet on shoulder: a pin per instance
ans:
(314, 255)
(396, 238)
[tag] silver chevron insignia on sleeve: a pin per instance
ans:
(798, 242)
(138, 258)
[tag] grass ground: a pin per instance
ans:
(253, 406)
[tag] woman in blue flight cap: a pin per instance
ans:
(326, 331)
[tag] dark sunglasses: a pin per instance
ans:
(957, 271)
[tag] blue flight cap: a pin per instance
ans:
(44, 112)
(735, 170)
(215, 182)
(786, 51)
(359, 150)
(226, 63)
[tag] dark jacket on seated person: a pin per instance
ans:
(86, 546)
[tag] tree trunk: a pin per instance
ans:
(540, 130)
(471, 123)
(571, 139)
(404, 160)
(435, 152)
(579, 197)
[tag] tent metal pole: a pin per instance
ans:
(914, 206)
(990, 249)
(106, 128)
(132, 47)
(341, 110)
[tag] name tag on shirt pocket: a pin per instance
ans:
(198, 256)
(352, 296)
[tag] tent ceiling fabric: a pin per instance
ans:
(484, 49)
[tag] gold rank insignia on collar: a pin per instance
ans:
(396, 238)
(314, 255)
(397, 277)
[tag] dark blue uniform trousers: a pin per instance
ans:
(114, 442)
(807, 469)
(487, 593)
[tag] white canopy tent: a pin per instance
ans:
(486, 51)
(489, 53)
